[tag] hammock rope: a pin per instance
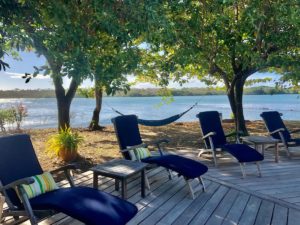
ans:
(162, 122)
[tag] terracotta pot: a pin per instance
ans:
(68, 155)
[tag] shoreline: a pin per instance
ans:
(100, 146)
(148, 96)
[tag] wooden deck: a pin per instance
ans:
(273, 199)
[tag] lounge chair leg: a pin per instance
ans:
(258, 169)
(202, 183)
(288, 152)
(190, 187)
(147, 182)
(215, 158)
(170, 174)
(27, 207)
(243, 170)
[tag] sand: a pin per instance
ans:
(100, 146)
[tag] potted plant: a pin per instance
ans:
(64, 144)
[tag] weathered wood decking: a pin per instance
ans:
(272, 199)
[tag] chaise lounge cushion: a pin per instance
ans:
(186, 167)
(243, 153)
(86, 204)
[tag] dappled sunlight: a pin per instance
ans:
(185, 139)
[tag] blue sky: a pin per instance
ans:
(11, 78)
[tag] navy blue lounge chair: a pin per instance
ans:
(18, 163)
(128, 135)
(215, 139)
(278, 130)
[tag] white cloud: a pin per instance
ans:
(19, 75)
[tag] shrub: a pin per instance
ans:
(20, 112)
(65, 140)
(6, 117)
(13, 115)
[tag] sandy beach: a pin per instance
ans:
(100, 146)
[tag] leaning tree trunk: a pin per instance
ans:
(64, 101)
(239, 115)
(235, 96)
(94, 124)
(63, 98)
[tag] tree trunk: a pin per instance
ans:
(235, 97)
(95, 122)
(63, 107)
(64, 101)
(239, 115)
(63, 98)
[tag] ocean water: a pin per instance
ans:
(42, 112)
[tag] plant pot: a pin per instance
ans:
(68, 155)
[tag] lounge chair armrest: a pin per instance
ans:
(295, 131)
(235, 133)
(277, 131)
(159, 141)
(134, 147)
(72, 166)
(27, 180)
(66, 169)
(208, 135)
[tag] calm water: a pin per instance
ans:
(43, 112)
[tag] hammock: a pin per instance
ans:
(156, 123)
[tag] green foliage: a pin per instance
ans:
(66, 139)
(82, 40)
(86, 92)
(231, 116)
(227, 42)
(251, 82)
(6, 117)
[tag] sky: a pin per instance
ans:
(11, 78)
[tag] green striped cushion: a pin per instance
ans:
(141, 153)
(42, 183)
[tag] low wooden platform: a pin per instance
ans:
(229, 199)
(280, 181)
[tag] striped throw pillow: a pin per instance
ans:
(42, 183)
(141, 153)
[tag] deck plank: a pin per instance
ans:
(172, 189)
(280, 215)
(220, 213)
(265, 213)
(174, 213)
(206, 212)
(293, 217)
(188, 214)
(249, 215)
(237, 209)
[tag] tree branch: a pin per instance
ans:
(72, 89)
(216, 69)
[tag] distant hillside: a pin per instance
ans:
(263, 90)
(18, 93)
